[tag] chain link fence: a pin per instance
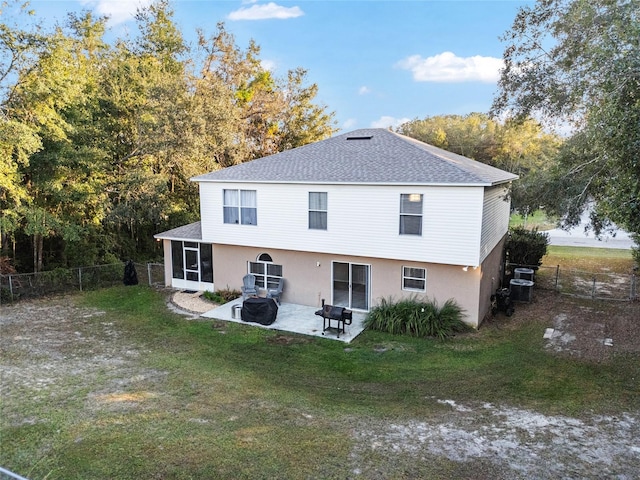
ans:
(63, 280)
(598, 285)
(601, 286)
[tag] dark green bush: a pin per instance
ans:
(418, 318)
(526, 247)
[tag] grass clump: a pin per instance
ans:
(417, 318)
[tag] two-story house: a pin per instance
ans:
(351, 219)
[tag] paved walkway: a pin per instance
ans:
(191, 302)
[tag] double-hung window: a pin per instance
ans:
(414, 279)
(240, 207)
(318, 210)
(411, 214)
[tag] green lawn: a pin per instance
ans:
(537, 220)
(237, 401)
(589, 259)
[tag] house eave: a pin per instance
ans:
(186, 233)
(388, 184)
(161, 236)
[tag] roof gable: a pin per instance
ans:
(366, 156)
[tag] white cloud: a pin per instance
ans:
(118, 11)
(349, 123)
(386, 122)
(265, 12)
(447, 67)
(364, 90)
(268, 65)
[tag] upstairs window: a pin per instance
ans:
(240, 207)
(411, 214)
(318, 210)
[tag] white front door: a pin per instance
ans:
(192, 264)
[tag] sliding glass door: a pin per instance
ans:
(351, 285)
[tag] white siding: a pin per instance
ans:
(495, 218)
(362, 221)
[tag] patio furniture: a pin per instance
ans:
(340, 315)
(275, 293)
(259, 310)
(249, 286)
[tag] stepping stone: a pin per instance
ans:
(548, 333)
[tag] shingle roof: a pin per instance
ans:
(364, 156)
(193, 232)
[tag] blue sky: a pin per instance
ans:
(377, 63)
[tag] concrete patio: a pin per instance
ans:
(295, 319)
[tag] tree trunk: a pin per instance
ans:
(40, 248)
(38, 241)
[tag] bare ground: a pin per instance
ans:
(592, 330)
(49, 346)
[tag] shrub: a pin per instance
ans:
(5, 295)
(222, 296)
(417, 318)
(526, 247)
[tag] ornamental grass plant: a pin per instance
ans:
(417, 317)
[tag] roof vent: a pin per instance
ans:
(368, 137)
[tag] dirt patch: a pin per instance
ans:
(49, 347)
(515, 443)
(593, 330)
(287, 340)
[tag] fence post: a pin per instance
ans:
(80, 277)
(149, 273)
(633, 294)
(593, 289)
(10, 288)
(557, 276)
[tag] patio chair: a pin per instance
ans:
(249, 286)
(275, 293)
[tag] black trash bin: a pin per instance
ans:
(130, 274)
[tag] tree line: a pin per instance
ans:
(520, 147)
(98, 140)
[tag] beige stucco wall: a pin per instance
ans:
(308, 277)
(490, 278)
